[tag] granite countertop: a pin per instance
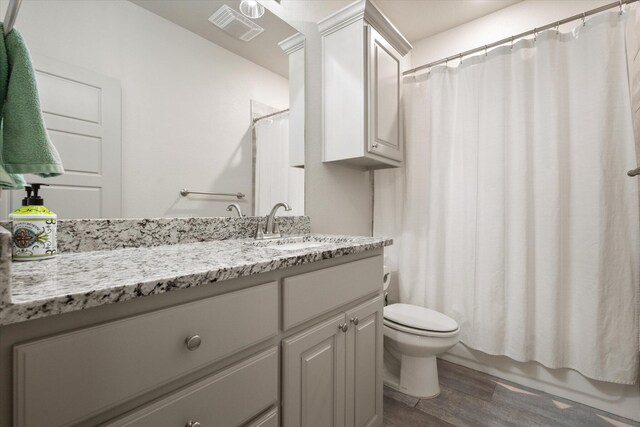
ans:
(76, 281)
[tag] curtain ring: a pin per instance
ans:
(584, 16)
(620, 4)
(485, 50)
(511, 42)
(461, 58)
(558, 27)
(535, 35)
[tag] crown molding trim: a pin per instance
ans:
(369, 12)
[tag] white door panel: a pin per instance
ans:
(79, 101)
(81, 153)
(82, 113)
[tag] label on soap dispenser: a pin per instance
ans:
(34, 233)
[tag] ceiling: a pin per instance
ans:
(418, 19)
(415, 19)
(194, 14)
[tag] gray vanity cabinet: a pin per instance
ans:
(300, 346)
(332, 372)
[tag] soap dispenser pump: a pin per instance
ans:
(25, 201)
(34, 228)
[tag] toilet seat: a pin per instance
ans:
(419, 320)
(420, 332)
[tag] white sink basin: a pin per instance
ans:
(296, 246)
(284, 244)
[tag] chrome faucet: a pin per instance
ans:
(271, 230)
(235, 206)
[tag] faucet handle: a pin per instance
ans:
(259, 230)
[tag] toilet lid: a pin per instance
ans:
(417, 317)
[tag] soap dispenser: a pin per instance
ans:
(34, 228)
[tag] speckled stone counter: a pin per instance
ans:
(82, 235)
(5, 265)
(75, 281)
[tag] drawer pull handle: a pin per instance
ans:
(355, 321)
(343, 327)
(193, 424)
(193, 342)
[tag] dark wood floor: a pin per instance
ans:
(475, 399)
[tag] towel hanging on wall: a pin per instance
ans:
(24, 144)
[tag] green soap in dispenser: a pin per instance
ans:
(34, 228)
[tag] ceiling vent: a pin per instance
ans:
(235, 24)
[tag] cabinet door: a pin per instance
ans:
(313, 383)
(364, 365)
(385, 130)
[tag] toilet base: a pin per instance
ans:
(419, 377)
(414, 376)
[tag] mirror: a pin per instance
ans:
(145, 98)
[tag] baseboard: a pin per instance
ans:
(618, 399)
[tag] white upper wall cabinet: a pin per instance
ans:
(362, 87)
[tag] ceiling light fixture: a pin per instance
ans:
(251, 9)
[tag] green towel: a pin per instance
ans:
(24, 143)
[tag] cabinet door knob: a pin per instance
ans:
(193, 424)
(355, 321)
(193, 342)
(343, 327)
(374, 145)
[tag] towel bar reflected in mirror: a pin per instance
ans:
(184, 193)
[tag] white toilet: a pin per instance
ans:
(413, 337)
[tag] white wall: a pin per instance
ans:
(620, 399)
(502, 24)
(185, 100)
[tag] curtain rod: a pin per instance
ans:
(11, 15)
(270, 115)
(511, 39)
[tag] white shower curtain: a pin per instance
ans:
(515, 213)
(275, 180)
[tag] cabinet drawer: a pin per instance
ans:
(311, 294)
(70, 377)
(270, 419)
(228, 398)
